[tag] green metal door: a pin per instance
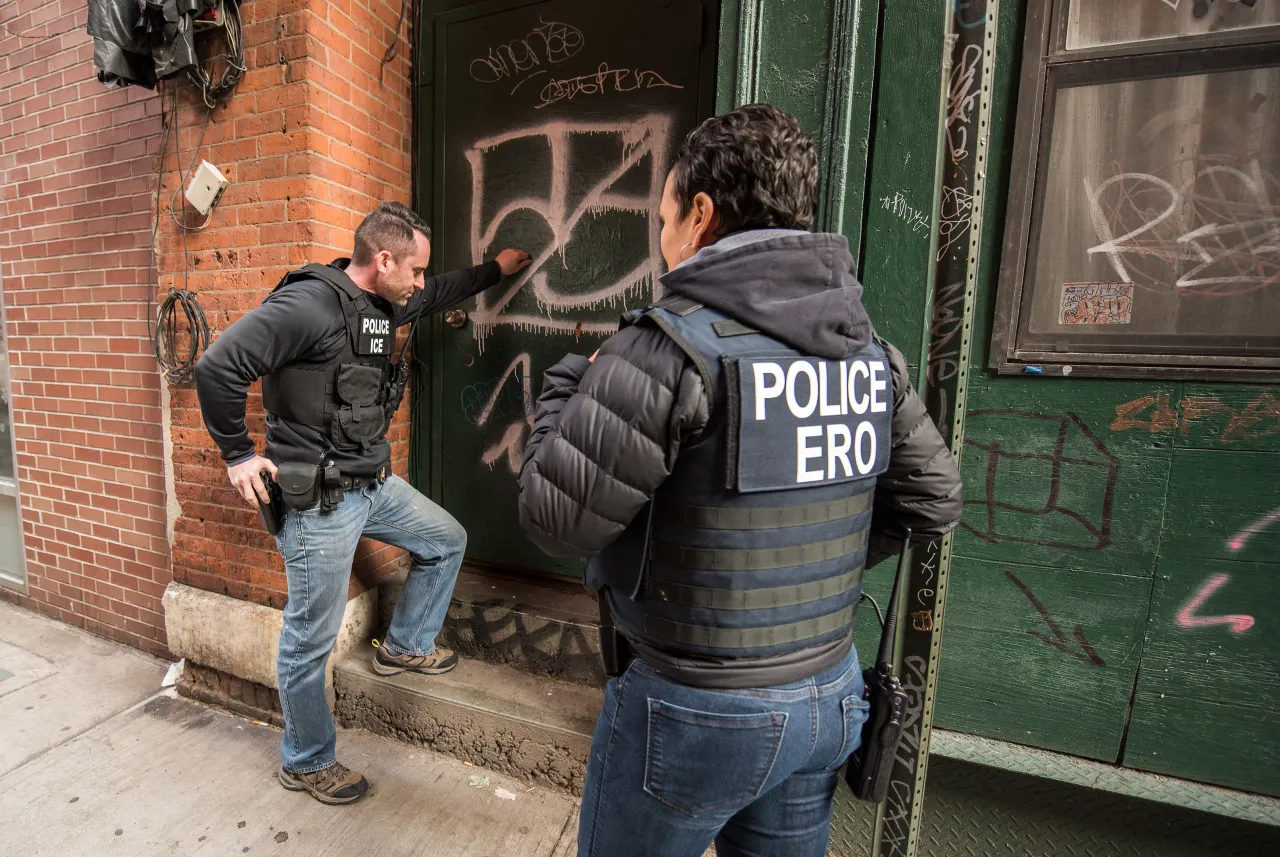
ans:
(553, 125)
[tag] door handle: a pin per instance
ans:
(456, 317)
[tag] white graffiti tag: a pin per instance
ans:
(961, 95)
(644, 145)
(513, 439)
(550, 42)
(620, 79)
(1151, 229)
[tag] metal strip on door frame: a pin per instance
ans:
(18, 584)
(944, 387)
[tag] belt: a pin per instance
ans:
(356, 483)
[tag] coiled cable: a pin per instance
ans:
(180, 318)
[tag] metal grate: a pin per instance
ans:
(971, 809)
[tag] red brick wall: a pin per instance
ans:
(76, 178)
(317, 133)
(315, 136)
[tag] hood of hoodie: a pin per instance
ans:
(798, 287)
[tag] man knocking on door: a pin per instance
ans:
(322, 343)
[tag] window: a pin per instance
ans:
(11, 560)
(1143, 238)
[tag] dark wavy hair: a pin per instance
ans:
(390, 226)
(757, 165)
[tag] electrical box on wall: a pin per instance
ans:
(206, 187)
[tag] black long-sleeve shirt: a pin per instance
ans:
(304, 322)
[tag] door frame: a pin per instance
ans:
(18, 584)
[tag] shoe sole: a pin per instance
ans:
(295, 786)
(386, 670)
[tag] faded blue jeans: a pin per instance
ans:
(318, 549)
(674, 767)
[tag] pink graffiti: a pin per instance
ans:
(1238, 540)
(1187, 619)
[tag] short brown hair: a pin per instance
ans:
(388, 227)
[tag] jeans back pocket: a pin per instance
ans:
(854, 710)
(700, 762)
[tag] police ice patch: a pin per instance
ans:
(375, 335)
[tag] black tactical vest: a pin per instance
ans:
(756, 543)
(345, 398)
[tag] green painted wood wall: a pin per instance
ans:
(1115, 583)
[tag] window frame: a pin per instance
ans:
(1046, 67)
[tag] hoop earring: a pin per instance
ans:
(682, 258)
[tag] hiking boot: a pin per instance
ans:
(334, 785)
(437, 663)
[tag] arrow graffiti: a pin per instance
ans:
(1087, 653)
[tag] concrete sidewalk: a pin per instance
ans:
(96, 759)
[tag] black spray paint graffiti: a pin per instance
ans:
(499, 631)
(1087, 654)
(1033, 462)
(897, 815)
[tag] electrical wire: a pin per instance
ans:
(23, 34)
(182, 181)
(153, 283)
(180, 311)
(228, 20)
(179, 366)
(880, 616)
(395, 37)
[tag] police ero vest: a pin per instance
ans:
(344, 398)
(756, 543)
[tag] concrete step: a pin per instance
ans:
(540, 626)
(493, 716)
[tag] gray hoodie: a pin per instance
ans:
(798, 287)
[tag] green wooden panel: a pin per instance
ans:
(817, 60)
(794, 60)
(897, 257)
(1221, 506)
(1049, 483)
(1202, 416)
(847, 139)
(1205, 707)
(1061, 530)
(1210, 722)
(1040, 656)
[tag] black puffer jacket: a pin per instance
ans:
(607, 434)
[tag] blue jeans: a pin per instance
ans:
(318, 549)
(675, 767)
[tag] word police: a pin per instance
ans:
(375, 335)
(809, 400)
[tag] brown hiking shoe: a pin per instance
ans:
(334, 785)
(437, 663)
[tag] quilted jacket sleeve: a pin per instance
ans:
(605, 436)
(921, 488)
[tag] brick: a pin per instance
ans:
(311, 146)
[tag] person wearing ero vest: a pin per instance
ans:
(732, 459)
(323, 343)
